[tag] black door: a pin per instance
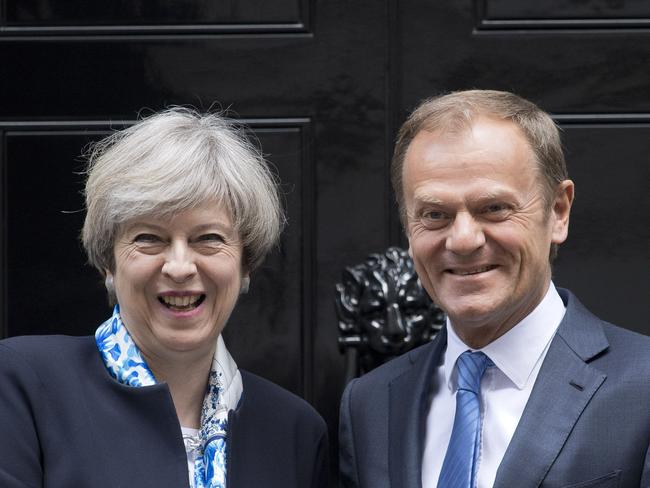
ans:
(310, 80)
(585, 63)
(324, 85)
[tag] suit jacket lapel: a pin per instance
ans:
(564, 387)
(408, 407)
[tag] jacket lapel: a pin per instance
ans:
(565, 385)
(408, 406)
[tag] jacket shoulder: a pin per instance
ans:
(628, 339)
(619, 353)
(46, 352)
(627, 356)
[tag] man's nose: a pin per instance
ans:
(466, 235)
(179, 262)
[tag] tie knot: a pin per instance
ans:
(471, 366)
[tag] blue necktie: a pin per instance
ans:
(459, 467)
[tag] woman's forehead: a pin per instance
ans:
(211, 214)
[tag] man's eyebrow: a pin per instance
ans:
(427, 199)
(493, 195)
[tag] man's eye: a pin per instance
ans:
(496, 211)
(496, 207)
(434, 219)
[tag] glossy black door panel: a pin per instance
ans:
(584, 63)
(606, 260)
(41, 13)
(52, 291)
(324, 85)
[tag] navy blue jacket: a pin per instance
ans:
(66, 423)
(586, 423)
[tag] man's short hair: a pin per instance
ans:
(455, 113)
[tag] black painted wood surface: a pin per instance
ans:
(324, 85)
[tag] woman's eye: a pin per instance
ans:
(434, 215)
(210, 238)
(146, 238)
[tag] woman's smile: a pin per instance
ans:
(177, 279)
(181, 302)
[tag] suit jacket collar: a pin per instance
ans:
(580, 329)
(409, 399)
(564, 387)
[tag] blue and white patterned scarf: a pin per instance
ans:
(125, 363)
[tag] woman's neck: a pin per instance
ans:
(187, 381)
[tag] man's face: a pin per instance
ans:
(479, 228)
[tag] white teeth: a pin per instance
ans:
(474, 271)
(180, 301)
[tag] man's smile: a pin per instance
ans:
(471, 271)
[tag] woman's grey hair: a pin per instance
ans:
(173, 161)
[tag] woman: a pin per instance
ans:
(180, 210)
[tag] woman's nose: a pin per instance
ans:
(466, 235)
(179, 263)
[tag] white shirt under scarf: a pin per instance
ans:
(232, 391)
(505, 389)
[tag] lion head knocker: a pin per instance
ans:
(383, 310)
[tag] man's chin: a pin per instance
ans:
(473, 315)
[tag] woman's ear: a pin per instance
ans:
(110, 287)
(245, 284)
(108, 281)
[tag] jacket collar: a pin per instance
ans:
(409, 396)
(564, 387)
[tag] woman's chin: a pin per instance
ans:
(188, 341)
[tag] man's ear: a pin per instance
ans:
(561, 210)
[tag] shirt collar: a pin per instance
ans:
(529, 338)
(231, 380)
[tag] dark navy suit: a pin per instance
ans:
(65, 423)
(586, 424)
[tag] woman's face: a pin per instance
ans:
(177, 279)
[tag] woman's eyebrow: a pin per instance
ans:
(140, 224)
(213, 225)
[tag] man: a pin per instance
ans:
(523, 387)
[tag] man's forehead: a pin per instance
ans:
(486, 141)
(491, 160)
(471, 127)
